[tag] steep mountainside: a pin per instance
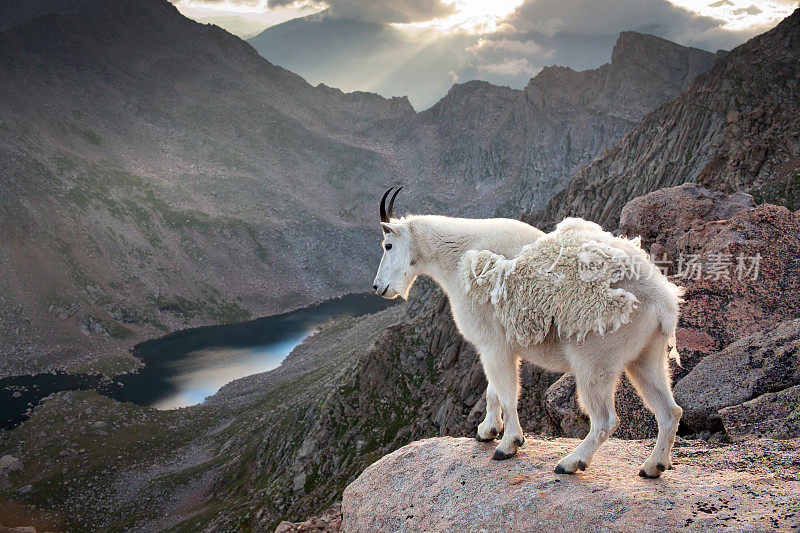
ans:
(529, 142)
(737, 128)
(159, 173)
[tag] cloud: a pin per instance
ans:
(597, 17)
(511, 67)
(389, 11)
(539, 19)
(510, 46)
(749, 10)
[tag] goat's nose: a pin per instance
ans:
(375, 287)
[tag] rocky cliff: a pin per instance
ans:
(735, 129)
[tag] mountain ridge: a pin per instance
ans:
(708, 119)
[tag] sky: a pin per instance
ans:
(505, 42)
(481, 16)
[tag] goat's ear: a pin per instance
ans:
(390, 228)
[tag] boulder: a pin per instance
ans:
(662, 217)
(775, 415)
(635, 420)
(561, 404)
(767, 361)
(449, 484)
(328, 522)
(9, 463)
(740, 300)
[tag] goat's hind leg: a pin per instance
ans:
(596, 397)
(649, 373)
(492, 423)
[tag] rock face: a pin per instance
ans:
(765, 362)
(663, 217)
(447, 484)
(735, 129)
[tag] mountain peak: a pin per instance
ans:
(642, 48)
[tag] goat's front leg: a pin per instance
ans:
(502, 373)
(596, 397)
(492, 423)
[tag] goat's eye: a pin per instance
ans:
(388, 246)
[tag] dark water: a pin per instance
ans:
(187, 366)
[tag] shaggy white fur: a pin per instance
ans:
(563, 279)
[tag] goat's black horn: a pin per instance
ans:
(391, 202)
(384, 217)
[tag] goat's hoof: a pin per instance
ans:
(499, 455)
(652, 469)
(561, 470)
(519, 441)
(581, 465)
(644, 474)
(491, 437)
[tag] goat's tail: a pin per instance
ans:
(669, 320)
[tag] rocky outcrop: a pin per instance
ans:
(735, 129)
(662, 218)
(764, 362)
(775, 415)
(328, 522)
(8, 465)
(447, 484)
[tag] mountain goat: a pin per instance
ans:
(595, 328)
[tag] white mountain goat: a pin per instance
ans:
(533, 307)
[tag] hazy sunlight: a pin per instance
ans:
(470, 16)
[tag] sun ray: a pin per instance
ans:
(470, 16)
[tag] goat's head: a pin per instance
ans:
(397, 271)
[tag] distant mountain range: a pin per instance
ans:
(351, 54)
(355, 55)
(237, 25)
(158, 173)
